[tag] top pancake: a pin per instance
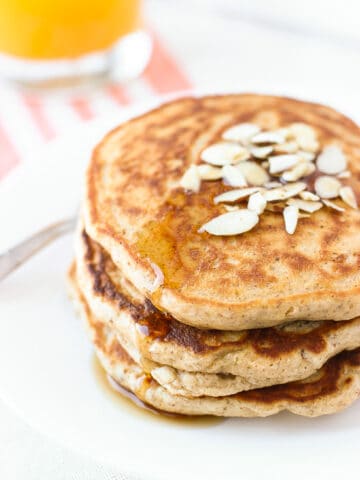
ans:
(135, 209)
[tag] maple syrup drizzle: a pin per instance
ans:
(165, 239)
(129, 401)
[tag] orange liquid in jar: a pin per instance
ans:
(55, 29)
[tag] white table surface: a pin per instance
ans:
(239, 51)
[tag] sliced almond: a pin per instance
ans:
(327, 187)
(347, 195)
(279, 163)
(232, 176)
(305, 205)
(234, 195)
(257, 203)
(285, 192)
(306, 156)
(302, 169)
(261, 152)
(265, 164)
(331, 160)
(231, 223)
(333, 205)
(268, 137)
(309, 145)
(275, 207)
(345, 174)
(273, 184)
(224, 154)
(305, 195)
(305, 136)
(283, 131)
(291, 215)
(287, 147)
(191, 179)
(231, 208)
(310, 168)
(241, 133)
(253, 173)
(208, 172)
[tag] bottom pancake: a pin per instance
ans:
(335, 386)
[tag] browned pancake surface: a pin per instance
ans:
(135, 209)
(332, 388)
(162, 327)
(320, 393)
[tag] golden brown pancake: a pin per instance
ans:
(135, 209)
(189, 361)
(335, 386)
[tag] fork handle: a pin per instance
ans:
(16, 256)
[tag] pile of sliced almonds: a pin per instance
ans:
(268, 169)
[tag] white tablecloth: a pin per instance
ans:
(27, 455)
(249, 49)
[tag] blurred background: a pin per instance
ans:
(309, 49)
(69, 63)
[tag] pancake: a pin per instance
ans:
(135, 208)
(335, 386)
(174, 353)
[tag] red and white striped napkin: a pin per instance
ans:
(28, 120)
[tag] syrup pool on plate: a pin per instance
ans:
(128, 401)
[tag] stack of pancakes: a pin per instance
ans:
(228, 325)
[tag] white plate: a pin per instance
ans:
(46, 371)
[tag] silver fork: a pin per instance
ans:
(16, 256)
